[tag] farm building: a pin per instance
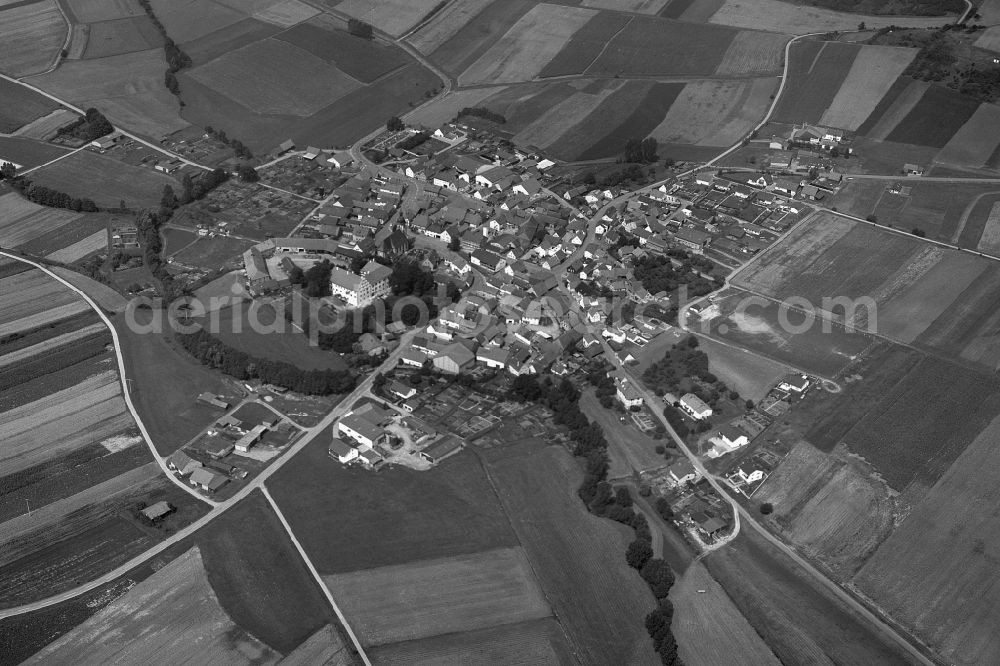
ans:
(710, 525)
(370, 458)
(627, 394)
(364, 427)
(341, 159)
(247, 441)
(311, 153)
(106, 142)
(342, 451)
(693, 239)
(207, 480)
(182, 463)
(913, 169)
(695, 406)
(441, 449)
(793, 383)
(401, 390)
(454, 358)
(727, 439)
(157, 511)
(682, 471)
(213, 401)
(286, 146)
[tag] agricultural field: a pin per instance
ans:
(932, 574)
(445, 24)
(988, 210)
(637, 6)
(897, 103)
(629, 450)
(174, 607)
(873, 71)
(715, 113)
(464, 45)
(753, 53)
(249, 329)
(935, 119)
(105, 180)
(118, 36)
(815, 75)
(446, 107)
(185, 25)
(212, 253)
(975, 142)
(750, 375)
(47, 127)
(92, 11)
(800, 19)
(77, 229)
(127, 88)
(446, 511)
(427, 598)
(528, 46)
(710, 630)
(989, 39)
(24, 221)
(395, 17)
(577, 558)
(359, 58)
(21, 106)
(31, 36)
(28, 153)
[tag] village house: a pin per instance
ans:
(683, 471)
(359, 291)
(695, 406)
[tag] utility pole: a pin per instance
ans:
(27, 504)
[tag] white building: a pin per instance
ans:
(362, 431)
(794, 383)
(695, 406)
(627, 394)
(361, 290)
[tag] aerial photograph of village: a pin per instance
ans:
(500, 332)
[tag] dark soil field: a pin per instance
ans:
(579, 559)
(583, 47)
(935, 119)
(40, 386)
(392, 517)
(229, 38)
(125, 35)
(21, 105)
(28, 152)
(360, 58)
(53, 363)
(66, 235)
(465, 47)
(259, 578)
(895, 90)
(166, 382)
(643, 120)
(815, 75)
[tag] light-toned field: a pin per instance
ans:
(267, 77)
(989, 12)
(749, 375)
(50, 514)
(92, 11)
(989, 39)
(796, 19)
(190, 20)
(935, 573)
(967, 328)
(562, 117)
(874, 70)
(975, 142)
(445, 108)
(29, 293)
(325, 647)
(989, 242)
(831, 506)
(43, 318)
(710, 629)
(753, 53)
(395, 17)
(528, 46)
(51, 343)
(79, 36)
(432, 597)
(171, 617)
(637, 6)
(30, 38)
(42, 430)
(103, 295)
(284, 13)
(105, 180)
(446, 24)
(45, 127)
(899, 109)
(714, 113)
(127, 35)
(22, 220)
(80, 249)
(127, 88)
(531, 643)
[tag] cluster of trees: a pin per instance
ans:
(191, 190)
(315, 280)
(395, 124)
(92, 126)
(658, 273)
(360, 28)
(176, 58)
(633, 173)
(247, 173)
(412, 142)
(483, 112)
(214, 353)
(684, 368)
(8, 171)
(46, 196)
(640, 151)
(239, 149)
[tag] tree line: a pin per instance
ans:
(46, 196)
(483, 112)
(589, 443)
(214, 353)
(176, 58)
(239, 149)
(92, 126)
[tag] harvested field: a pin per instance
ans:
(96, 242)
(578, 139)
(753, 53)
(935, 119)
(21, 106)
(703, 108)
(568, 109)
(696, 11)
(449, 510)
(973, 144)
(105, 180)
(326, 647)
(874, 70)
(227, 39)
(105, 297)
(432, 597)
(92, 11)
(173, 612)
(587, 43)
(989, 39)
(444, 109)
(989, 12)
(30, 293)
(815, 75)
(186, 22)
(465, 46)
(266, 77)
(24, 221)
(395, 17)
(883, 121)
(800, 19)
(831, 506)
(47, 127)
(578, 558)
(127, 35)
(661, 47)
(43, 318)
(28, 153)
(31, 36)
(9, 358)
(637, 6)
(967, 328)
(524, 643)
(709, 628)
(359, 58)
(989, 242)
(284, 13)
(750, 375)
(528, 46)
(445, 24)
(260, 579)
(127, 88)
(932, 574)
